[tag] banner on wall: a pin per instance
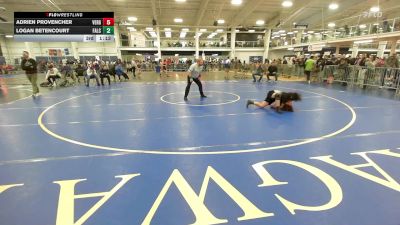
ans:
(254, 59)
(300, 49)
(58, 52)
(55, 52)
(315, 48)
(381, 48)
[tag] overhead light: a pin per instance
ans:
(185, 29)
(290, 33)
(149, 28)
(260, 22)
(180, 0)
(178, 20)
(283, 35)
(290, 49)
(362, 26)
(294, 23)
(220, 21)
(237, 30)
(203, 30)
(131, 28)
(374, 9)
(124, 23)
(331, 24)
(252, 31)
(333, 6)
(132, 18)
(310, 32)
(219, 30)
(138, 54)
(295, 31)
(376, 24)
(282, 31)
(363, 41)
(236, 2)
(167, 29)
(287, 4)
(9, 36)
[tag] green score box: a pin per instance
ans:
(108, 30)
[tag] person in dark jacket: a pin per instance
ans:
(29, 65)
(280, 101)
(80, 72)
(272, 71)
(105, 73)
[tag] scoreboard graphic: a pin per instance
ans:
(64, 26)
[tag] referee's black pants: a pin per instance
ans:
(189, 82)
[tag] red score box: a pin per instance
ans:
(108, 21)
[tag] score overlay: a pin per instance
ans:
(64, 26)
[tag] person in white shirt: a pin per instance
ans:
(52, 75)
(194, 75)
(227, 66)
(91, 73)
(133, 68)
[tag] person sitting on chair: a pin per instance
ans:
(258, 71)
(67, 71)
(280, 101)
(272, 71)
(52, 75)
(80, 70)
(104, 73)
(91, 73)
(119, 71)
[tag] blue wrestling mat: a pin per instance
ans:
(138, 154)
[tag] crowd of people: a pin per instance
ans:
(68, 73)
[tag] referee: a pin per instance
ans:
(194, 75)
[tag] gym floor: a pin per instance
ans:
(136, 153)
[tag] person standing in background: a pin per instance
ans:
(309, 67)
(235, 67)
(30, 67)
(227, 67)
(133, 68)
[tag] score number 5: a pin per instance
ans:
(108, 21)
